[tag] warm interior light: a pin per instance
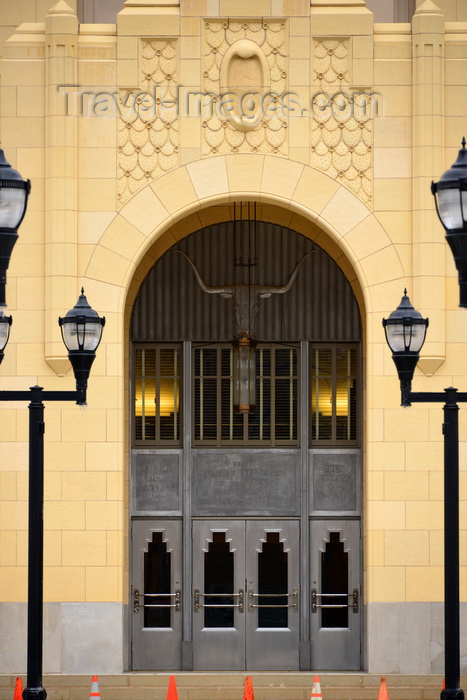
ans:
(244, 374)
(145, 401)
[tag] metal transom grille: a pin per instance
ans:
(275, 420)
(334, 394)
(157, 395)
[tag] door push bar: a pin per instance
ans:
(197, 603)
(294, 595)
(177, 596)
(352, 604)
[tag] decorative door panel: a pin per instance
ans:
(156, 595)
(335, 595)
(245, 595)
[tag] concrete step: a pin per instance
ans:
(230, 686)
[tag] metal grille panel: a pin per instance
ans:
(171, 306)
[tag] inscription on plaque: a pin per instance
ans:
(246, 484)
(156, 483)
(335, 482)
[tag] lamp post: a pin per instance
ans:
(405, 334)
(81, 332)
(14, 193)
(450, 195)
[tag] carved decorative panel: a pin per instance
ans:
(342, 127)
(246, 61)
(148, 137)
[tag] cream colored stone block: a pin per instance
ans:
(92, 225)
(410, 548)
(314, 190)
(18, 592)
(84, 485)
(425, 583)
(114, 549)
(96, 132)
(8, 548)
(64, 584)
(408, 486)
(84, 548)
(393, 195)
(127, 48)
(336, 21)
(114, 483)
(97, 162)
(244, 8)
(388, 455)
(190, 131)
(102, 456)
(386, 515)
(209, 177)
(87, 422)
(299, 71)
(122, 236)
(299, 49)
(175, 190)
(145, 211)
(300, 155)
(344, 211)
(392, 72)
(27, 132)
(392, 162)
(190, 47)
(367, 238)
(388, 584)
(190, 71)
(280, 178)
(424, 515)
(104, 515)
(17, 13)
(148, 21)
(389, 131)
(245, 172)
(362, 47)
(437, 549)
(64, 515)
(425, 456)
(298, 27)
(97, 195)
(374, 548)
(103, 584)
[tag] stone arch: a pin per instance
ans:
(193, 195)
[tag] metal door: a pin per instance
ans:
(245, 595)
(156, 595)
(335, 595)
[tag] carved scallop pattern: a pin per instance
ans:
(341, 129)
(148, 139)
(220, 136)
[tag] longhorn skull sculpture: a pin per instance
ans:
(245, 297)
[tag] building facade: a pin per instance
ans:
(227, 177)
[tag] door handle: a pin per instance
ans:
(197, 604)
(294, 595)
(353, 603)
(177, 596)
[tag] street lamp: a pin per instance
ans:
(450, 195)
(405, 334)
(14, 193)
(81, 331)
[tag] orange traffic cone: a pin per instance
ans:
(18, 689)
(316, 690)
(383, 690)
(443, 687)
(94, 688)
(172, 689)
(248, 693)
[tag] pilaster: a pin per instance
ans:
(428, 41)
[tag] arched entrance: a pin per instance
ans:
(246, 546)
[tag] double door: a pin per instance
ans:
(245, 595)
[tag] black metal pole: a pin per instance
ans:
(34, 689)
(451, 548)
